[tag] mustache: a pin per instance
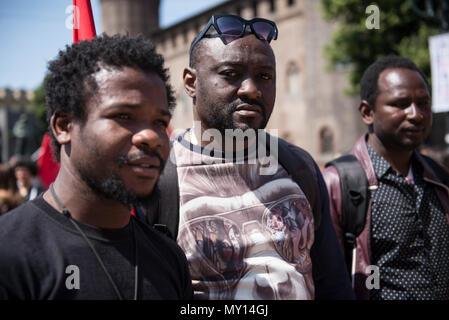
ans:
(122, 160)
(238, 102)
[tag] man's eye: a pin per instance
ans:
(266, 76)
(400, 104)
(229, 73)
(162, 123)
(123, 116)
(423, 105)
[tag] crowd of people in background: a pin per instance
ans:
(18, 182)
(238, 231)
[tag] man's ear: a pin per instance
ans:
(62, 126)
(189, 77)
(367, 112)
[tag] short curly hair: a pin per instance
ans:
(370, 78)
(69, 82)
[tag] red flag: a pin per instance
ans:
(47, 166)
(83, 29)
(83, 21)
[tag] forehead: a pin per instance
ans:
(128, 85)
(125, 78)
(400, 79)
(248, 51)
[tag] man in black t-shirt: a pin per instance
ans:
(109, 105)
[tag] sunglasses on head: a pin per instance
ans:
(230, 28)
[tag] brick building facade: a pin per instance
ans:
(311, 109)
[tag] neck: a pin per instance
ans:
(84, 204)
(398, 159)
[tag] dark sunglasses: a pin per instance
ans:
(230, 27)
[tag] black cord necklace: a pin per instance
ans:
(100, 261)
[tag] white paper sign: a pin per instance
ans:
(439, 59)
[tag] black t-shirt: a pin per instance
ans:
(43, 256)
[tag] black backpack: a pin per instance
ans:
(355, 197)
(163, 211)
(354, 201)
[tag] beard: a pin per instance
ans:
(110, 186)
(220, 116)
(113, 188)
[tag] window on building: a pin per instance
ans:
(238, 11)
(326, 140)
(254, 8)
(184, 36)
(293, 79)
(272, 5)
(290, 2)
(173, 40)
(162, 43)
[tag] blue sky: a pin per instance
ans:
(33, 31)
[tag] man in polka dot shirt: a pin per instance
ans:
(405, 240)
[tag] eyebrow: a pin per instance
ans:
(239, 64)
(165, 113)
(119, 105)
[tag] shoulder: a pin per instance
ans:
(19, 220)
(296, 151)
(27, 230)
(21, 249)
(297, 161)
(440, 172)
(306, 173)
(24, 230)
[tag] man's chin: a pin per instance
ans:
(245, 123)
(142, 190)
(147, 198)
(250, 125)
(114, 188)
(129, 198)
(407, 146)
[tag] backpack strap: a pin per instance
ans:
(163, 211)
(354, 201)
(300, 165)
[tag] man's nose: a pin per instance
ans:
(413, 112)
(248, 88)
(149, 138)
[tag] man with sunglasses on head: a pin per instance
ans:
(249, 210)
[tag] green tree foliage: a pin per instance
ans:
(401, 31)
(37, 107)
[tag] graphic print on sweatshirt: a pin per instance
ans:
(245, 235)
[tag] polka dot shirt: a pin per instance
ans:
(409, 235)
